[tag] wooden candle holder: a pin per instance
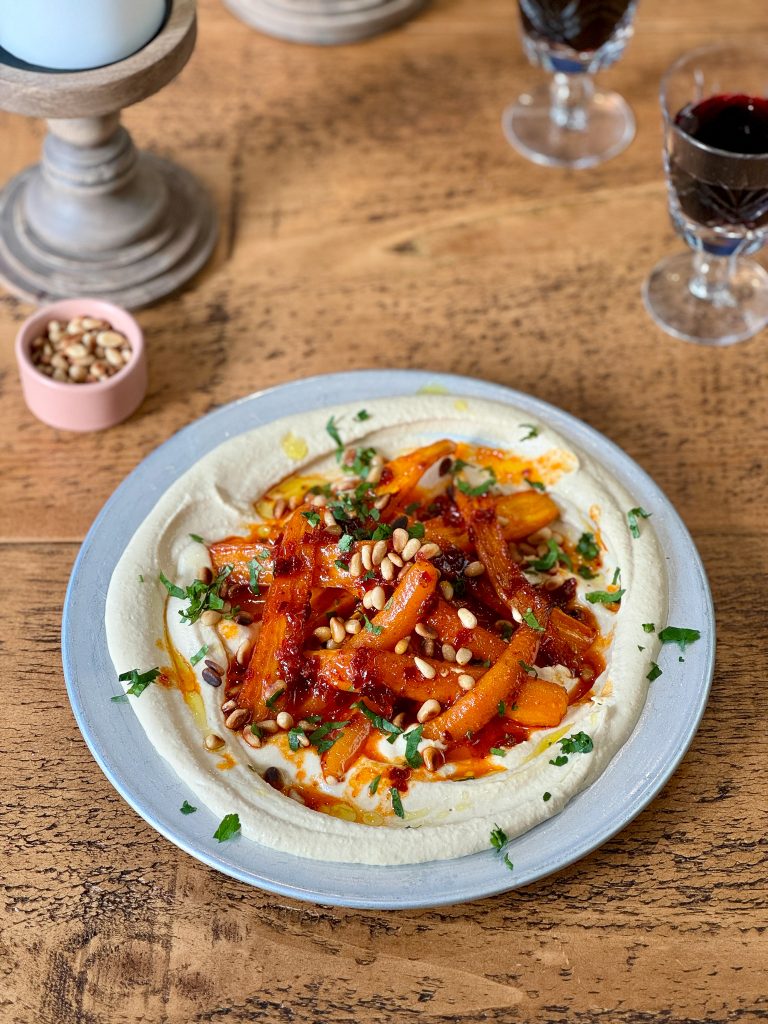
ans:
(97, 217)
(324, 21)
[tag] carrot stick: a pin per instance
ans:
(341, 755)
(522, 513)
(403, 609)
(539, 704)
(403, 473)
(500, 683)
(445, 619)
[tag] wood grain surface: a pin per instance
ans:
(373, 216)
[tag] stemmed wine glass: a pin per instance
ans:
(715, 106)
(568, 122)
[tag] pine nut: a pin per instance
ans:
(428, 710)
(422, 629)
(278, 509)
(468, 619)
(251, 738)
(463, 656)
(411, 548)
(378, 598)
(113, 357)
(356, 564)
(367, 599)
(77, 373)
(466, 682)
(429, 550)
(322, 633)
(402, 645)
(425, 668)
(399, 720)
(284, 720)
(449, 652)
(319, 501)
(213, 742)
(446, 589)
(382, 502)
(108, 339)
(210, 617)
(331, 645)
(474, 569)
(399, 539)
(294, 502)
(237, 719)
(374, 473)
(395, 559)
(387, 569)
(379, 552)
(433, 758)
(228, 705)
(244, 651)
(428, 647)
(516, 615)
(269, 725)
(338, 632)
(365, 554)
(328, 518)
(353, 626)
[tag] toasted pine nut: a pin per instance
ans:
(402, 645)
(365, 554)
(399, 720)
(353, 626)
(237, 719)
(425, 668)
(210, 617)
(411, 548)
(322, 633)
(269, 725)
(446, 589)
(382, 502)
(387, 569)
(399, 539)
(468, 618)
(428, 710)
(278, 509)
(374, 473)
(338, 632)
(433, 758)
(356, 564)
(284, 720)
(422, 629)
(244, 651)
(516, 615)
(449, 652)
(367, 599)
(379, 552)
(250, 737)
(227, 706)
(474, 569)
(463, 655)
(378, 598)
(331, 645)
(428, 647)
(213, 742)
(429, 550)
(466, 682)
(328, 518)
(319, 501)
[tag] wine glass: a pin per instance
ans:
(715, 106)
(568, 122)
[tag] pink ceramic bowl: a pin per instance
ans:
(83, 406)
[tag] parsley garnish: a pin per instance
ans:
(536, 484)
(187, 808)
(587, 548)
(508, 862)
(586, 573)
(501, 708)
(547, 561)
(648, 627)
(374, 785)
(559, 761)
(632, 518)
(141, 578)
(498, 751)
(382, 532)
(528, 669)
(313, 518)
(197, 538)
(605, 597)
(412, 739)
(616, 577)
(375, 630)
(547, 796)
(272, 701)
(362, 415)
(345, 543)
(319, 737)
(230, 826)
(294, 736)
(377, 721)
(139, 680)
(499, 838)
(397, 803)
(416, 530)
(654, 673)
(253, 576)
(532, 431)
(679, 635)
(199, 656)
(577, 743)
(530, 619)
(410, 509)
(332, 429)
(344, 566)
(201, 596)
(480, 489)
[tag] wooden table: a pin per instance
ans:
(373, 216)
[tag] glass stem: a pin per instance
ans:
(571, 95)
(711, 279)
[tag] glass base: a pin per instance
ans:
(528, 126)
(733, 314)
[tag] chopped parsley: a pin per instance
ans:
(230, 826)
(272, 701)
(378, 721)
(412, 739)
(333, 431)
(139, 681)
(294, 738)
(362, 415)
(382, 532)
(632, 518)
(410, 509)
(257, 731)
(416, 530)
(187, 808)
(587, 548)
(313, 518)
(559, 761)
(548, 561)
(397, 803)
(536, 484)
(577, 743)
(253, 576)
(374, 785)
(141, 578)
(648, 627)
(501, 709)
(201, 596)
(679, 635)
(532, 431)
(530, 619)
(547, 796)
(480, 489)
(499, 838)
(498, 751)
(199, 656)
(654, 673)
(375, 630)
(508, 862)
(344, 566)
(616, 577)
(586, 573)
(345, 543)
(320, 737)
(528, 669)
(197, 538)
(605, 596)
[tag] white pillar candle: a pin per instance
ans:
(72, 35)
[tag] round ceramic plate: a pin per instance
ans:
(637, 773)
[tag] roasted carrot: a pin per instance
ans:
(340, 756)
(403, 609)
(276, 655)
(500, 684)
(576, 634)
(522, 513)
(403, 473)
(538, 704)
(444, 618)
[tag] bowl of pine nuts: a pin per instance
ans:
(82, 364)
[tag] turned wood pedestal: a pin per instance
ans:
(98, 217)
(324, 21)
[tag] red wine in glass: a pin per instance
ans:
(582, 25)
(712, 189)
